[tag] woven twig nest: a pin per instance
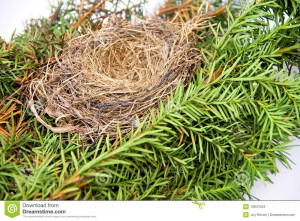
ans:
(107, 77)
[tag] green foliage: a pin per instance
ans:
(235, 116)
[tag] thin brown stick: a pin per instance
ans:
(13, 94)
(76, 25)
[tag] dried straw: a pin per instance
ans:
(107, 77)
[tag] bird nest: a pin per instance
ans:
(106, 78)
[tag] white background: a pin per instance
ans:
(286, 185)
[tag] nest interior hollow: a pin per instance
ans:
(107, 77)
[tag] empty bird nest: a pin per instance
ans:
(106, 78)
